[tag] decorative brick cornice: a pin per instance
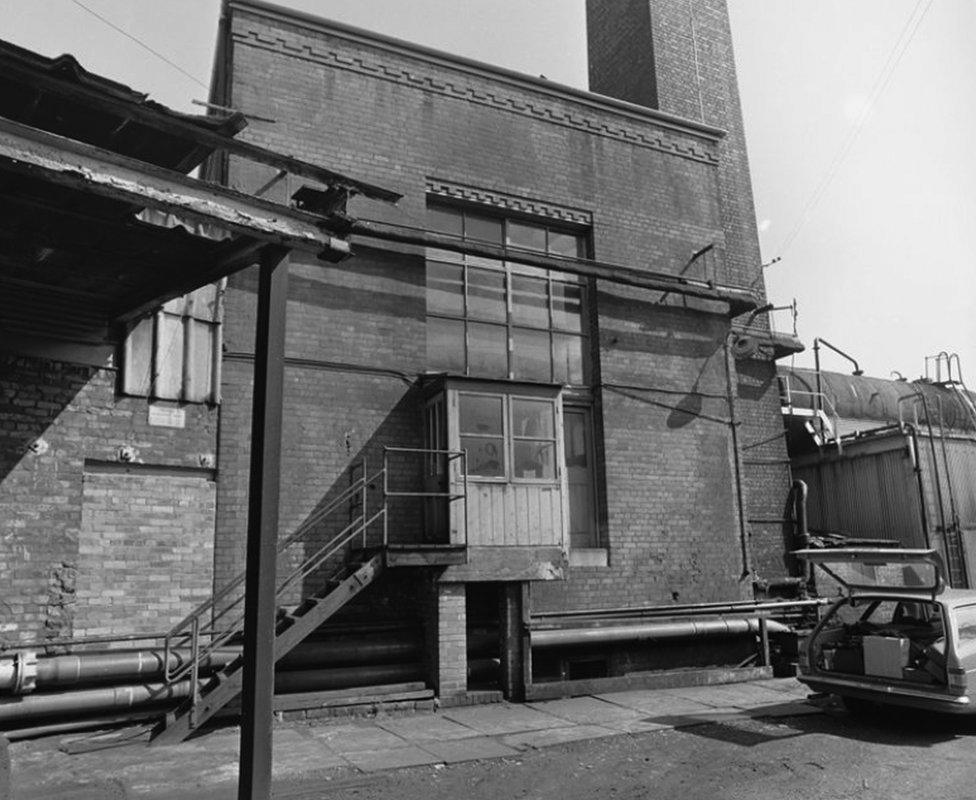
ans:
(608, 121)
(508, 202)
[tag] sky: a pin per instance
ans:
(877, 257)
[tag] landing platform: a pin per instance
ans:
(422, 555)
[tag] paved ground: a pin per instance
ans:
(756, 740)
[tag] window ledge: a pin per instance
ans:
(588, 557)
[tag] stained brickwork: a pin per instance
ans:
(687, 46)
(145, 551)
(422, 123)
(54, 418)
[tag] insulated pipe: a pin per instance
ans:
(115, 698)
(100, 667)
(109, 698)
(652, 631)
(346, 677)
(89, 667)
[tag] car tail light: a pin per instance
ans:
(957, 680)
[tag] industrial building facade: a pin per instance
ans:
(607, 463)
(494, 366)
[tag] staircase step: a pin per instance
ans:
(293, 626)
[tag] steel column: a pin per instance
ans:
(257, 693)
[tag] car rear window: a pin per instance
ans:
(966, 623)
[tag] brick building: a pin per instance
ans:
(545, 373)
(624, 445)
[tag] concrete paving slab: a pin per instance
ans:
(426, 728)
(654, 702)
(585, 710)
(796, 708)
(377, 760)
(498, 719)
(297, 752)
(639, 724)
(470, 749)
(725, 696)
(785, 685)
(352, 738)
(553, 736)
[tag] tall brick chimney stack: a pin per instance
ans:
(676, 56)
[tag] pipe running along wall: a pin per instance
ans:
(652, 631)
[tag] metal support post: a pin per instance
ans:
(257, 694)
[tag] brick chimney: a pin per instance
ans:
(676, 56)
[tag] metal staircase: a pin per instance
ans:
(220, 620)
(339, 567)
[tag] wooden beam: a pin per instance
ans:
(739, 300)
(66, 162)
(161, 119)
(241, 254)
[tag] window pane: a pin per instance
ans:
(530, 355)
(486, 456)
(445, 345)
(530, 237)
(487, 350)
(532, 418)
(169, 358)
(530, 304)
(566, 244)
(567, 307)
(445, 289)
(444, 220)
(480, 414)
(533, 459)
(138, 359)
(199, 369)
(486, 294)
(487, 229)
(567, 359)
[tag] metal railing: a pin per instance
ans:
(431, 468)
(821, 409)
(219, 619)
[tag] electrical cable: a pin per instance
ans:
(141, 43)
(881, 82)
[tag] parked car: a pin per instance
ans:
(897, 635)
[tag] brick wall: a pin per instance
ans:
(145, 550)
(652, 187)
(56, 417)
(689, 45)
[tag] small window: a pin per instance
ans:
(508, 437)
(171, 355)
(966, 623)
(482, 429)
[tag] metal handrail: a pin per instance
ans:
(224, 624)
(452, 455)
(225, 619)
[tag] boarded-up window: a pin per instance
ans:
(173, 355)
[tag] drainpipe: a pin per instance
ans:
(737, 459)
(917, 469)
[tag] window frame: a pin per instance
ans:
(556, 332)
(508, 438)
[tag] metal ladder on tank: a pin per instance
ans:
(943, 369)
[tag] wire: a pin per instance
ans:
(881, 82)
(141, 43)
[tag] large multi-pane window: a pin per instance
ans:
(489, 318)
